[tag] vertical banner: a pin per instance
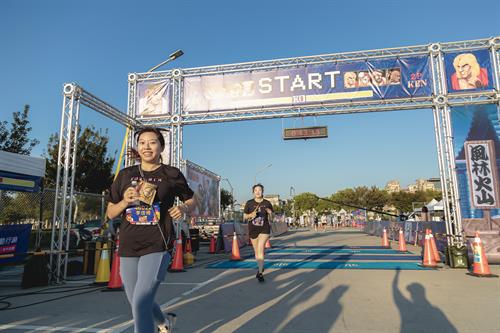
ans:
(476, 141)
(153, 98)
(468, 71)
(206, 187)
(481, 171)
(14, 240)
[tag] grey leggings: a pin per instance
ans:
(141, 277)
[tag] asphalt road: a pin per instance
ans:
(290, 300)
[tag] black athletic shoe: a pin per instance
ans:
(260, 277)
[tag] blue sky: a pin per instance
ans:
(96, 43)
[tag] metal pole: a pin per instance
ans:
(255, 177)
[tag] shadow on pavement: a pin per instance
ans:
(418, 314)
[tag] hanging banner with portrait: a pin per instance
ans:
(309, 85)
(468, 71)
(153, 98)
(206, 187)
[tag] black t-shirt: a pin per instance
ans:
(140, 228)
(262, 217)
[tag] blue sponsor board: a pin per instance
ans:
(309, 85)
(468, 71)
(14, 240)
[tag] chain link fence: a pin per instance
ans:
(26, 207)
(38, 209)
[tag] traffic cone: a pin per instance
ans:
(115, 281)
(211, 248)
(402, 241)
(428, 260)
(102, 276)
(188, 256)
(235, 253)
(268, 244)
(385, 240)
(480, 267)
(177, 264)
(435, 252)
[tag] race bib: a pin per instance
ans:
(143, 215)
(258, 221)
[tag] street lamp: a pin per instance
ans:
(232, 191)
(292, 194)
(171, 57)
(264, 168)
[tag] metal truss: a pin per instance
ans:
(440, 102)
(73, 97)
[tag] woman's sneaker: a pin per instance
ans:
(164, 329)
(260, 277)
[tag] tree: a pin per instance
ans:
(17, 139)
(226, 198)
(305, 201)
(93, 165)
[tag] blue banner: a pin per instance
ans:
(309, 85)
(14, 239)
(18, 182)
(468, 71)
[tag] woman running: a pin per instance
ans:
(258, 212)
(143, 195)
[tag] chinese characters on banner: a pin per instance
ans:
(481, 166)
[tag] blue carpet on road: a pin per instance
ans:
(329, 257)
(319, 265)
(339, 257)
(328, 247)
(316, 250)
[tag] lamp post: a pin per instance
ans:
(171, 57)
(261, 170)
(232, 193)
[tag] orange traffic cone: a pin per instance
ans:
(402, 241)
(435, 252)
(385, 240)
(177, 264)
(268, 244)
(211, 248)
(235, 253)
(428, 260)
(115, 281)
(480, 266)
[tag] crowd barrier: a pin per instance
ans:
(414, 232)
(226, 232)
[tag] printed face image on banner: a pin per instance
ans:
(468, 71)
(206, 191)
(309, 85)
(153, 98)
